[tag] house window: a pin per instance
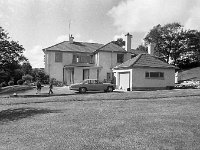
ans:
(58, 56)
(108, 76)
(120, 58)
(154, 74)
(82, 58)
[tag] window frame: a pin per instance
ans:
(58, 57)
(154, 75)
(121, 59)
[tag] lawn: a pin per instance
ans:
(154, 120)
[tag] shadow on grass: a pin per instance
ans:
(20, 113)
(97, 92)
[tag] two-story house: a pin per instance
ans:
(72, 62)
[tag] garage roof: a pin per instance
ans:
(144, 60)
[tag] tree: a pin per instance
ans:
(39, 74)
(26, 68)
(190, 57)
(169, 39)
(27, 78)
(120, 42)
(11, 55)
(142, 48)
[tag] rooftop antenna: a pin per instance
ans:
(69, 27)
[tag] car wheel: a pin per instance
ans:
(82, 90)
(110, 89)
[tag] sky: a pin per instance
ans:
(37, 24)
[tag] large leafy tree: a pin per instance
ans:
(169, 40)
(11, 55)
(176, 45)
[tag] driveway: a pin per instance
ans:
(44, 91)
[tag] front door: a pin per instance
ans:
(85, 74)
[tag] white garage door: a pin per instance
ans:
(124, 80)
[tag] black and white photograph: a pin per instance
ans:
(99, 74)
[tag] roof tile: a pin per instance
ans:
(144, 60)
(74, 47)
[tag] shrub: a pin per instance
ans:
(11, 83)
(20, 82)
(3, 84)
(55, 82)
(27, 77)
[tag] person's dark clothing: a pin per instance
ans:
(39, 86)
(50, 88)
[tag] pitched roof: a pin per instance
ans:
(66, 46)
(111, 47)
(136, 52)
(144, 60)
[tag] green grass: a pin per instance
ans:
(154, 120)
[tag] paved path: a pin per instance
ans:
(44, 92)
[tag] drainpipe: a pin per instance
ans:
(63, 75)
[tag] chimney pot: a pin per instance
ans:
(71, 39)
(128, 42)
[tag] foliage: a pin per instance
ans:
(17, 73)
(11, 57)
(3, 84)
(55, 82)
(177, 46)
(39, 74)
(4, 76)
(26, 68)
(27, 78)
(120, 42)
(20, 82)
(10, 83)
(169, 41)
(142, 48)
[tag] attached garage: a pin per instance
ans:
(144, 72)
(124, 80)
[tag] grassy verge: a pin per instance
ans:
(97, 122)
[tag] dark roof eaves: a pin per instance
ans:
(131, 67)
(69, 51)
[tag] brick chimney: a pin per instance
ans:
(151, 48)
(128, 42)
(71, 39)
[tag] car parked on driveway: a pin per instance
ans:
(92, 85)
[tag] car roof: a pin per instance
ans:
(90, 79)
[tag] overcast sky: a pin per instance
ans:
(38, 24)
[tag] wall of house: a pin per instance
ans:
(139, 80)
(78, 75)
(55, 69)
(108, 60)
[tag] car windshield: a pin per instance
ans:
(90, 82)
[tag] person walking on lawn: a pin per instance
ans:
(39, 86)
(50, 88)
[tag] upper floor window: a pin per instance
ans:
(154, 74)
(81, 58)
(58, 57)
(120, 58)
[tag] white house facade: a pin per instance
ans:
(71, 62)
